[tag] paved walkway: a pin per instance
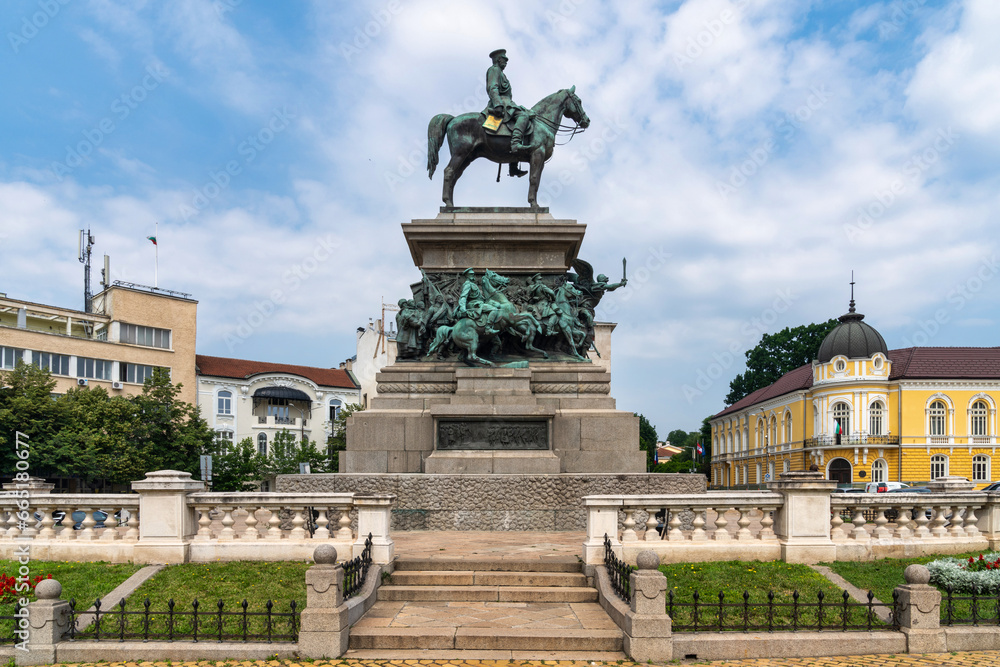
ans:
(961, 659)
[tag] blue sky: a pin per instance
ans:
(745, 156)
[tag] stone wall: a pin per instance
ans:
(492, 502)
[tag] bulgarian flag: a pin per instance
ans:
(153, 239)
(836, 428)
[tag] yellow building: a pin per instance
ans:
(132, 330)
(862, 413)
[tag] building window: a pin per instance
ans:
(761, 433)
(225, 441)
(148, 336)
(335, 406)
(937, 418)
(876, 422)
(840, 365)
(9, 356)
(877, 363)
(262, 444)
(842, 417)
(96, 369)
(770, 470)
(786, 466)
(279, 409)
(746, 474)
(980, 468)
(737, 442)
(788, 427)
(756, 473)
(879, 471)
(773, 431)
(57, 364)
(136, 373)
(979, 426)
(225, 402)
(939, 466)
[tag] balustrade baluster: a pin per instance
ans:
(3, 523)
(67, 532)
(227, 534)
(920, 518)
(651, 535)
(29, 530)
(110, 526)
(88, 524)
(629, 534)
(721, 534)
(859, 533)
(836, 521)
(744, 534)
(903, 522)
(767, 525)
(881, 532)
(937, 524)
(8, 523)
(956, 522)
(251, 532)
(274, 524)
(204, 523)
(698, 533)
(298, 521)
(47, 532)
(344, 531)
(322, 532)
(132, 534)
(675, 534)
(971, 522)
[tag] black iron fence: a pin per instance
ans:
(9, 627)
(781, 615)
(215, 623)
(618, 572)
(356, 570)
(973, 609)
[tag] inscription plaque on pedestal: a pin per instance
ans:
(492, 434)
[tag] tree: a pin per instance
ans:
(26, 407)
(236, 468)
(172, 430)
(777, 354)
(337, 442)
(286, 453)
(647, 440)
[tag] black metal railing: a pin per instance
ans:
(618, 572)
(356, 570)
(119, 623)
(775, 615)
(845, 440)
(8, 636)
(973, 609)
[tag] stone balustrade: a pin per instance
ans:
(798, 520)
(171, 518)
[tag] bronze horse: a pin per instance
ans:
(468, 140)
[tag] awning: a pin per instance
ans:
(282, 392)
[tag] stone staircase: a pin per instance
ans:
(501, 608)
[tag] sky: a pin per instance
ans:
(745, 156)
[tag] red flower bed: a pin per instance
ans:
(982, 564)
(9, 587)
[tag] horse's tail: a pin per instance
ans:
(435, 137)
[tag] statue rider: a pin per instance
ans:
(472, 305)
(503, 107)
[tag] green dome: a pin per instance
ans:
(851, 338)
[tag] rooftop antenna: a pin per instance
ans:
(851, 307)
(381, 329)
(86, 243)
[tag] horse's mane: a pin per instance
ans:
(551, 99)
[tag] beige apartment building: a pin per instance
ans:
(132, 330)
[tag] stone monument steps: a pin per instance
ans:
(486, 639)
(557, 564)
(487, 593)
(473, 578)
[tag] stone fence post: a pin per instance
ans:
(920, 612)
(803, 522)
(48, 619)
(602, 519)
(324, 627)
(166, 523)
(647, 625)
(375, 518)
(989, 519)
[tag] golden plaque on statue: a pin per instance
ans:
(492, 123)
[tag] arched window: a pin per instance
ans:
(979, 419)
(879, 471)
(761, 433)
(746, 474)
(262, 444)
(335, 406)
(770, 470)
(842, 417)
(757, 478)
(876, 421)
(774, 432)
(731, 442)
(939, 466)
(980, 468)
(937, 419)
(736, 475)
(225, 402)
(746, 436)
(788, 427)
(786, 465)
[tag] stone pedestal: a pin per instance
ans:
(166, 522)
(803, 522)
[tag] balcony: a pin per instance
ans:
(273, 421)
(852, 441)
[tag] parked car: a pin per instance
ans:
(911, 489)
(847, 489)
(995, 486)
(883, 487)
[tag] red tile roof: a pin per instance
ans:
(911, 363)
(242, 369)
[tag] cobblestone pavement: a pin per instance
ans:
(960, 659)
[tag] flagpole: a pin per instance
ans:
(156, 255)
